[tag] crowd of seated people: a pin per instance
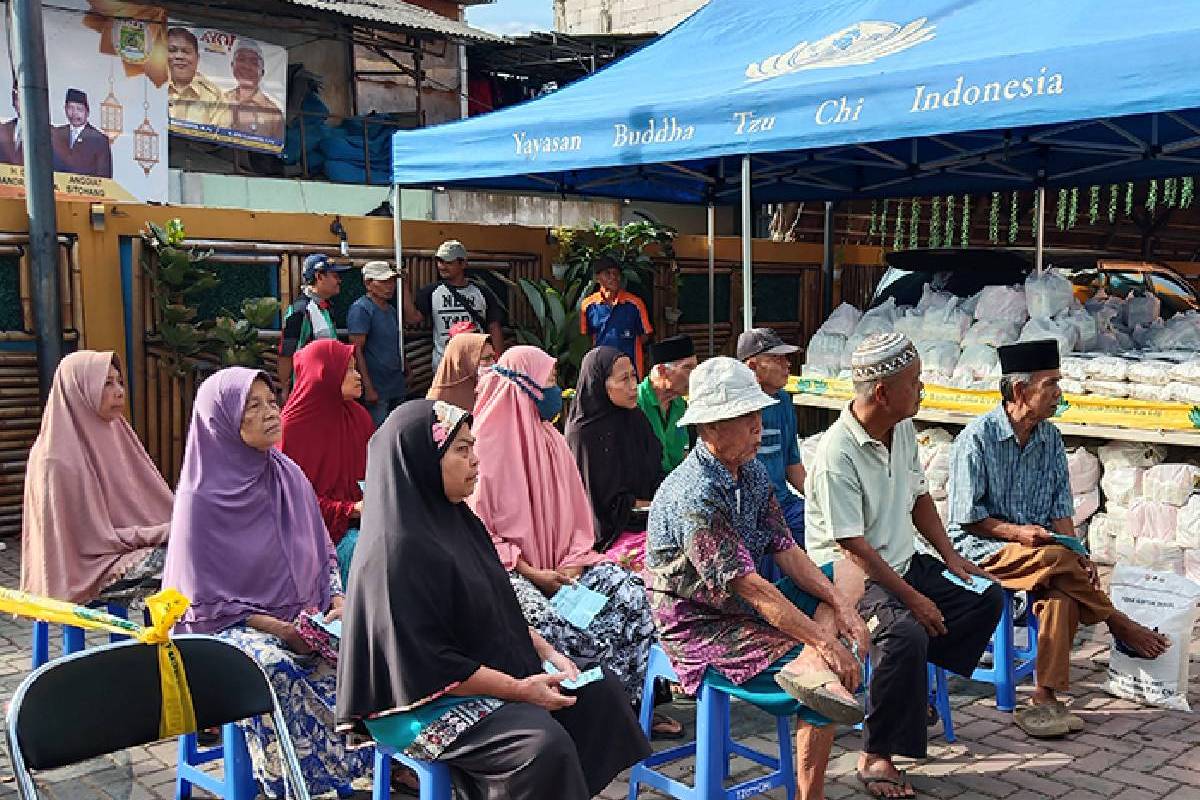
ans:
(452, 530)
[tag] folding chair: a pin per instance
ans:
(109, 698)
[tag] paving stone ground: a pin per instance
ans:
(1128, 751)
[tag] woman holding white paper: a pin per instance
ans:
(532, 500)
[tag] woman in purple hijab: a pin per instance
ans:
(249, 548)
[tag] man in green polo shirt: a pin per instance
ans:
(309, 317)
(660, 396)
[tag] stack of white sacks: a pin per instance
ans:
(1151, 515)
(1121, 346)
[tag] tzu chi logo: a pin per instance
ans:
(860, 43)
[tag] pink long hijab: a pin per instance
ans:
(95, 504)
(530, 495)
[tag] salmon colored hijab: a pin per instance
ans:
(95, 504)
(530, 495)
(459, 371)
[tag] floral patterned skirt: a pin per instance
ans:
(305, 687)
(618, 638)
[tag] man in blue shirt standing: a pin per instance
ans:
(766, 355)
(613, 316)
(374, 329)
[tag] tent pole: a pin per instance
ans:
(747, 245)
(396, 211)
(712, 280)
(827, 263)
(1041, 226)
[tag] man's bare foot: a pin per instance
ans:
(1138, 638)
(881, 778)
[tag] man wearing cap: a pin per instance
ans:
(1010, 512)
(455, 298)
(866, 498)
(309, 317)
(78, 147)
(374, 328)
(719, 621)
(615, 317)
(660, 395)
(766, 355)
(250, 109)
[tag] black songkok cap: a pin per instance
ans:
(673, 348)
(1029, 356)
(76, 96)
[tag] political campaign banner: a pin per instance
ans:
(226, 88)
(107, 64)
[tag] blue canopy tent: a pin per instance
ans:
(847, 99)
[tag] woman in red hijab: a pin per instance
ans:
(325, 431)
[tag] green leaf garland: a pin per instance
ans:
(994, 219)
(935, 221)
(914, 224)
(948, 234)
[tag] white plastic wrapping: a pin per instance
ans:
(1042, 328)
(1084, 470)
(825, 351)
(945, 324)
(1086, 504)
(1184, 392)
(1157, 373)
(911, 323)
(932, 437)
(880, 319)
(1187, 524)
(1074, 368)
(994, 332)
(1086, 329)
(1191, 565)
(1124, 547)
(1130, 454)
(1171, 483)
(842, 321)
(939, 357)
(1107, 388)
(1150, 393)
(1116, 512)
(1141, 309)
(1153, 520)
(1072, 386)
(1102, 538)
(1187, 372)
(1121, 485)
(931, 298)
(1005, 303)
(978, 362)
(1158, 556)
(1047, 294)
(1107, 368)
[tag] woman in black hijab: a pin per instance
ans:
(618, 454)
(436, 658)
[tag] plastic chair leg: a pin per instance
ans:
(712, 757)
(941, 700)
(1002, 660)
(239, 775)
(41, 643)
(72, 639)
(787, 753)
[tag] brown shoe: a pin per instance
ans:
(1041, 721)
(1074, 723)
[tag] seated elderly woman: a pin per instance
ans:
(97, 510)
(325, 431)
(467, 355)
(250, 550)
(532, 500)
(619, 457)
(437, 659)
(719, 621)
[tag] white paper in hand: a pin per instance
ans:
(587, 676)
(978, 584)
(578, 605)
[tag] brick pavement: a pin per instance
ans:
(1128, 751)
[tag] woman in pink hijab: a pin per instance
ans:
(97, 510)
(532, 500)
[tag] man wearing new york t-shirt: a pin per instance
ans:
(454, 299)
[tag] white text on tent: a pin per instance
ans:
(531, 148)
(969, 94)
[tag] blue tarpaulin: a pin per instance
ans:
(852, 98)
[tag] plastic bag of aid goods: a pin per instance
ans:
(1187, 524)
(1074, 368)
(1153, 520)
(825, 351)
(994, 332)
(945, 324)
(1084, 470)
(1187, 372)
(1165, 602)
(1171, 483)
(1130, 454)
(1063, 332)
(880, 319)
(1141, 310)
(1156, 373)
(1086, 504)
(842, 321)
(1122, 485)
(1047, 294)
(931, 298)
(1006, 303)
(1106, 368)
(1102, 538)
(1107, 388)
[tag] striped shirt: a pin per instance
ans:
(991, 475)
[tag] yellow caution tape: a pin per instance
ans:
(166, 607)
(1078, 409)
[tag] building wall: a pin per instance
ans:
(621, 16)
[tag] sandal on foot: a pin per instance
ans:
(404, 781)
(1041, 721)
(1074, 723)
(664, 727)
(866, 779)
(809, 689)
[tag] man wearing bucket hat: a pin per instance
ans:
(719, 621)
(455, 298)
(374, 328)
(866, 498)
(766, 355)
(309, 317)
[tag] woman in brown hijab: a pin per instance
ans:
(466, 356)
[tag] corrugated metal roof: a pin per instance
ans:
(402, 15)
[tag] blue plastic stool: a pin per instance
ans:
(939, 696)
(73, 641)
(237, 781)
(1010, 664)
(434, 777)
(712, 749)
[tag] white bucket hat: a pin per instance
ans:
(723, 388)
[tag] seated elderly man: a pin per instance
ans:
(866, 496)
(1010, 501)
(719, 621)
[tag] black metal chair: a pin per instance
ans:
(109, 698)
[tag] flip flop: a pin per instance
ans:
(676, 730)
(866, 780)
(809, 689)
